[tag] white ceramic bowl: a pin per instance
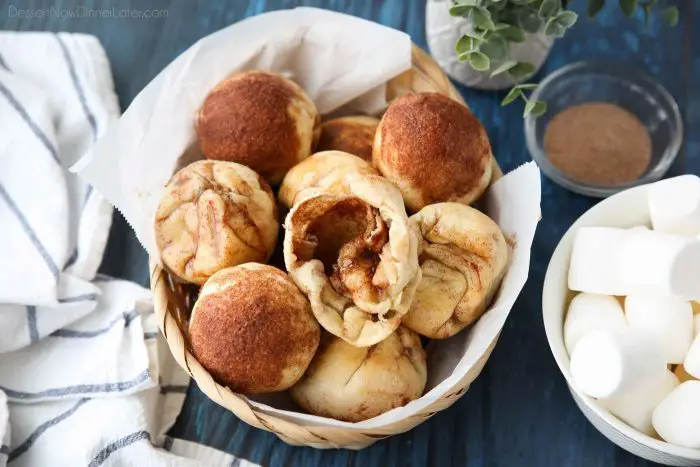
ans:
(626, 209)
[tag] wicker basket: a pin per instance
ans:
(173, 302)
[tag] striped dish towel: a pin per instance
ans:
(85, 377)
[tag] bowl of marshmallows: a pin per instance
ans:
(621, 308)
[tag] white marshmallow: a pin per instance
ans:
(595, 260)
(674, 205)
(636, 408)
(652, 261)
(608, 363)
(669, 319)
(692, 359)
(677, 418)
(589, 312)
(611, 261)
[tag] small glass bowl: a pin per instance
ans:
(610, 82)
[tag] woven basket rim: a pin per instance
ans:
(425, 75)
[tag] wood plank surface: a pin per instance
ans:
(519, 411)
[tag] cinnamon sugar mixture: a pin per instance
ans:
(598, 144)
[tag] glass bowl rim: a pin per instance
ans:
(609, 68)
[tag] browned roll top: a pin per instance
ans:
(353, 135)
(434, 149)
(253, 330)
(258, 119)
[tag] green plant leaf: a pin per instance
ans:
(464, 57)
(527, 86)
(529, 20)
(511, 96)
(460, 10)
(502, 26)
(553, 28)
(535, 108)
(567, 18)
(505, 66)
(463, 7)
(479, 61)
(548, 8)
(628, 6)
(594, 7)
(482, 19)
(521, 70)
(463, 45)
(496, 48)
(523, 2)
(513, 34)
(670, 15)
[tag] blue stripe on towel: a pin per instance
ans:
(127, 317)
(4, 449)
(31, 324)
(149, 335)
(167, 443)
(79, 298)
(29, 442)
(3, 64)
(28, 229)
(79, 89)
(81, 389)
(30, 123)
(173, 388)
(117, 445)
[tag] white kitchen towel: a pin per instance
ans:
(85, 377)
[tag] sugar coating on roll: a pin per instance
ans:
(434, 149)
(354, 135)
(637, 407)
(355, 255)
(258, 119)
(668, 319)
(674, 205)
(321, 170)
(213, 215)
(252, 329)
(590, 312)
(607, 363)
(463, 260)
(677, 418)
(354, 384)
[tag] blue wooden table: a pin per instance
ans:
(519, 411)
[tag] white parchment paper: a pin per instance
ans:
(341, 61)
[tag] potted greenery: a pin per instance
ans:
(497, 44)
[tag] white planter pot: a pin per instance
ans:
(443, 31)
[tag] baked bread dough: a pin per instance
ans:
(353, 135)
(310, 172)
(213, 215)
(463, 260)
(252, 329)
(434, 149)
(352, 251)
(354, 384)
(258, 119)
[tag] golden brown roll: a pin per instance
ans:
(434, 149)
(252, 329)
(353, 384)
(463, 259)
(258, 119)
(354, 135)
(309, 172)
(213, 215)
(352, 251)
